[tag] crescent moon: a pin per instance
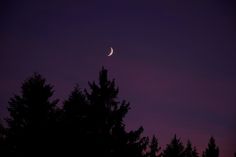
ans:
(111, 51)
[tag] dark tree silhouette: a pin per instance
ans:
(76, 108)
(90, 123)
(107, 121)
(154, 148)
(30, 116)
(190, 151)
(74, 125)
(106, 116)
(94, 119)
(174, 149)
(212, 150)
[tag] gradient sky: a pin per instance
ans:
(174, 61)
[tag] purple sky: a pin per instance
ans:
(174, 61)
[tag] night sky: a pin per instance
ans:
(174, 61)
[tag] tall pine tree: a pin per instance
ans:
(174, 149)
(30, 116)
(97, 115)
(75, 126)
(107, 123)
(212, 150)
(154, 148)
(190, 151)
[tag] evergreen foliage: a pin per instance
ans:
(89, 123)
(212, 150)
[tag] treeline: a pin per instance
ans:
(89, 124)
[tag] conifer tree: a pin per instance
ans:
(74, 129)
(154, 148)
(212, 150)
(107, 114)
(190, 151)
(76, 110)
(174, 149)
(30, 116)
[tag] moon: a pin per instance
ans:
(111, 51)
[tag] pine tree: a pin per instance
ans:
(154, 148)
(106, 119)
(212, 150)
(30, 116)
(76, 111)
(174, 149)
(107, 111)
(190, 151)
(75, 127)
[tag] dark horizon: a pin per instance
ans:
(172, 61)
